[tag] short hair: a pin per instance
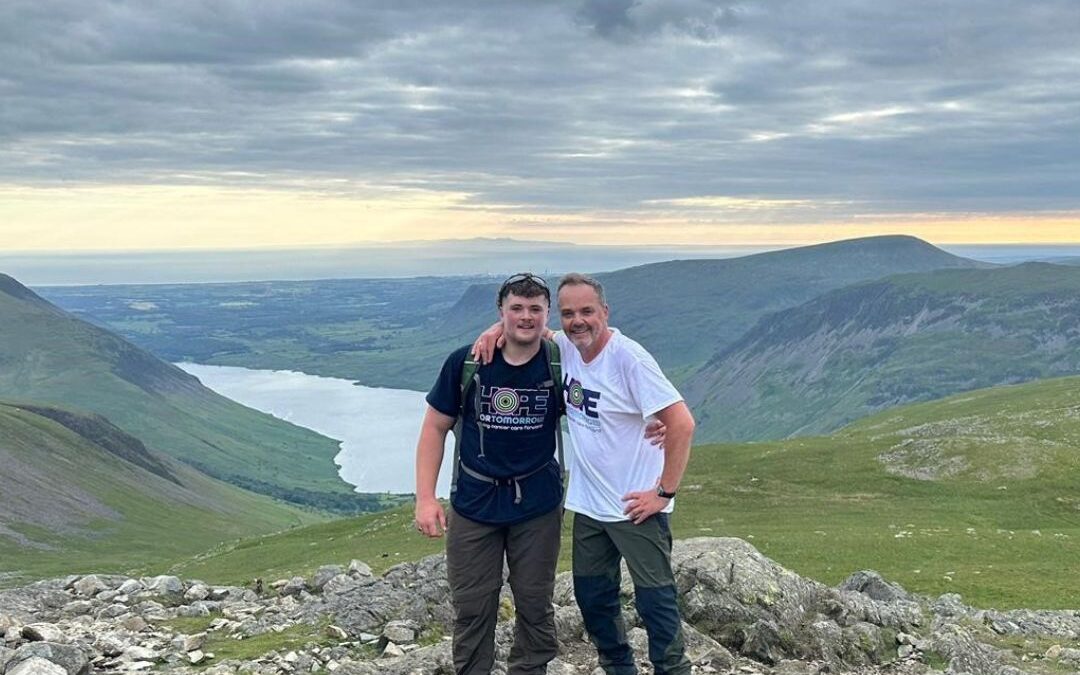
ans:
(525, 285)
(577, 279)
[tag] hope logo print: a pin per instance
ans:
(505, 401)
(577, 396)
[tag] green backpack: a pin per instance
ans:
(470, 376)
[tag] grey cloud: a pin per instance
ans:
(890, 106)
(622, 20)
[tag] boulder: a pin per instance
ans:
(325, 574)
(43, 632)
(294, 586)
(197, 592)
(131, 587)
(401, 632)
(136, 653)
(90, 585)
(70, 658)
(165, 585)
(35, 665)
(870, 583)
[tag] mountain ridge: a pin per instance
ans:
(856, 350)
(52, 358)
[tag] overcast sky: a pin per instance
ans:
(144, 124)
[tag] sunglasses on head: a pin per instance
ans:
(525, 276)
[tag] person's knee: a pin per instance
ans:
(469, 607)
(659, 605)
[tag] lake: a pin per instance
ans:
(377, 427)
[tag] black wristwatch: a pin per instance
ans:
(663, 493)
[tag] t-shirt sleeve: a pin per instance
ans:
(445, 394)
(649, 386)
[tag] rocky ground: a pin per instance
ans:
(744, 614)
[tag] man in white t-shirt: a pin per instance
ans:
(621, 488)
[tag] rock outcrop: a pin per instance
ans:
(743, 613)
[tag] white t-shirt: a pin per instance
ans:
(608, 402)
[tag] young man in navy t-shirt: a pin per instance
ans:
(507, 489)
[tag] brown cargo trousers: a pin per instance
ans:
(474, 565)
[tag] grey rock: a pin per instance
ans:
(865, 644)
(131, 587)
(336, 633)
(35, 665)
(7, 621)
(342, 583)
(325, 574)
(138, 666)
(191, 643)
(391, 650)
(569, 625)
(400, 632)
(110, 645)
(113, 611)
(165, 585)
(134, 624)
(869, 582)
(108, 596)
(705, 652)
(43, 632)
(194, 610)
(138, 653)
(90, 585)
(967, 654)
(77, 608)
(950, 604)
(1070, 656)
(197, 592)
(762, 642)
(222, 592)
(294, 586)
(70, 658)
(359, 568)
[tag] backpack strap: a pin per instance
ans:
(470, 374)
(554, 359)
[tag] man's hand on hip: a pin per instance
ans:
(640, 506)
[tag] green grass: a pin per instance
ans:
(864, 348)
(1003, 532)
(294, 637)
(86, 510)
(52, 358)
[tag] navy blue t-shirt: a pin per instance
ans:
(520, 418)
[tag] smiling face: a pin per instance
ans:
(523, 319)
(584, 318)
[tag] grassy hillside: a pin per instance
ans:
(81, 495)
(381, 332)
(49, 357)
(975, 494)
(713, 302)
(874, 345)
(396, 333)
